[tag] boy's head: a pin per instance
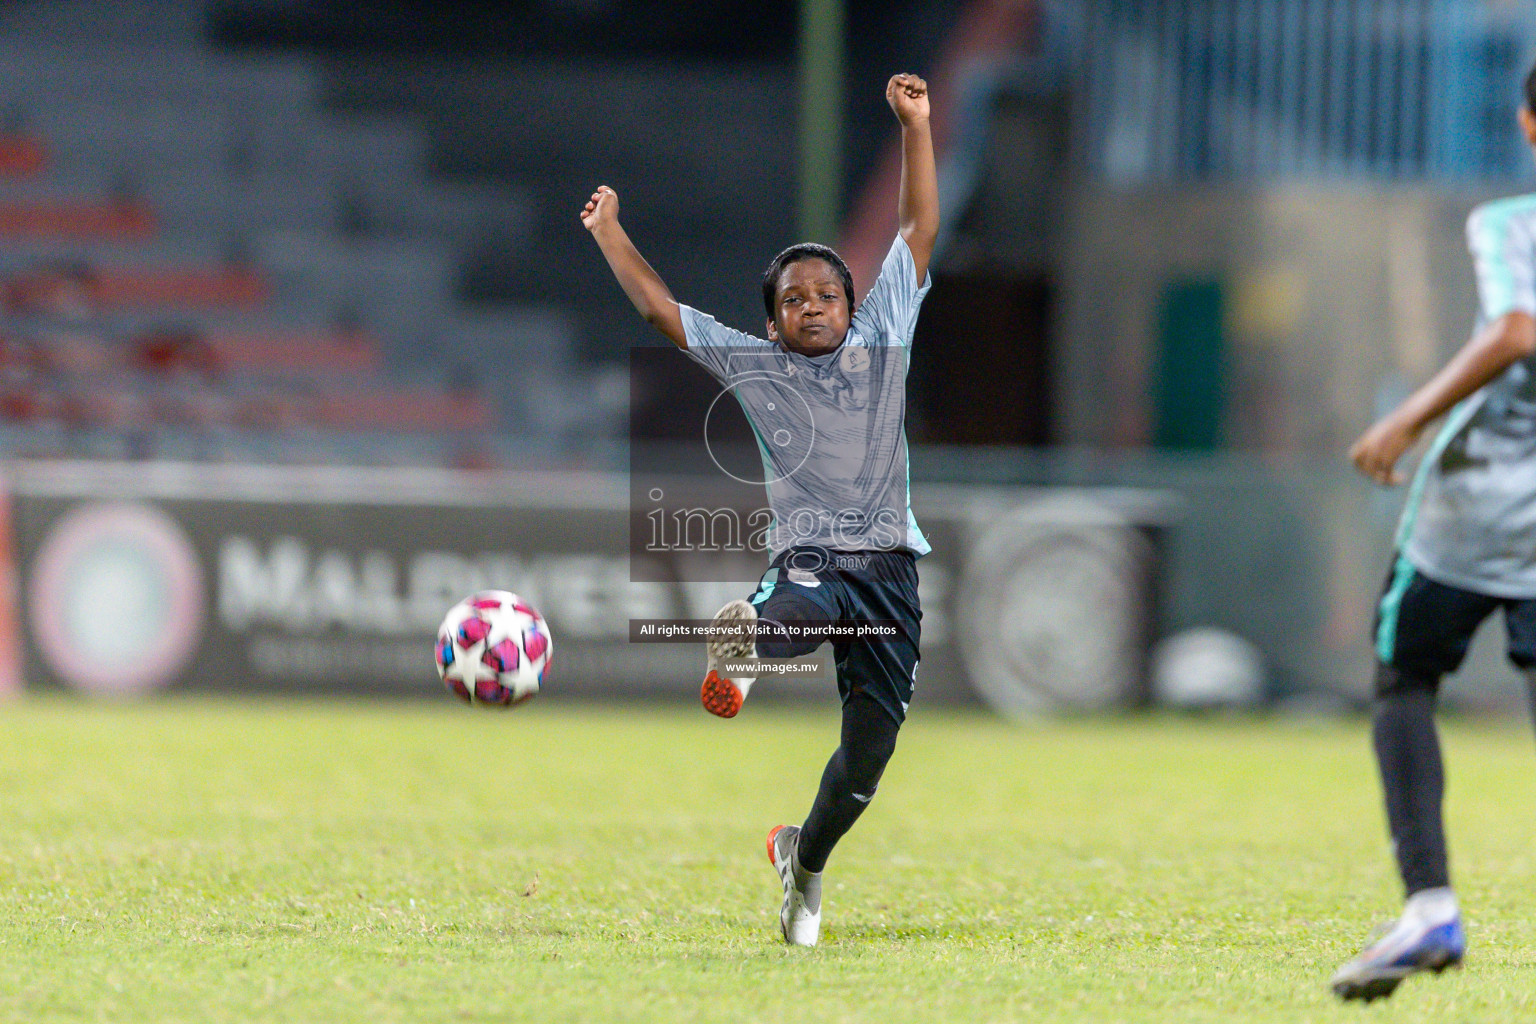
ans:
(1528, 109)
(808, 296)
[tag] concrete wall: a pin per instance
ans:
(1339, 299)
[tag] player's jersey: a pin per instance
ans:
(830, 428)
(1470, 518)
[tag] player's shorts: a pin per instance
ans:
(1423, 628)
(846, 588)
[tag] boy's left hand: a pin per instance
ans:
(908, 97)
(1376, 453)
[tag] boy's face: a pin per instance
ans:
(810, 308)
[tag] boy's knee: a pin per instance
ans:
(1392, 681)
(773, 642)
(773, 639)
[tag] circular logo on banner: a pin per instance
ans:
(1053, 609)
(116, 598)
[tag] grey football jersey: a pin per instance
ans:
(830, 428)
(1470, 517)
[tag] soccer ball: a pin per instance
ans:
(493, 648)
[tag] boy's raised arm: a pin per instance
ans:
(917, 204)
(643, 285)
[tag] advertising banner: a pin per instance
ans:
(133, 579)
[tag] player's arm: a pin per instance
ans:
(643, 285)
(1491, 351)
(917, 204)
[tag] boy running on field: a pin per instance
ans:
(825, 393)
(1466, 546)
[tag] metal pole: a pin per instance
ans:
(821, 119)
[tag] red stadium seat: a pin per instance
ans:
(233, 287)
(404, 411)
(107, 219)
(21, 155)
(322, 353)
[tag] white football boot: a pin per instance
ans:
(1427, 937)
(732, 639)
(800, 914)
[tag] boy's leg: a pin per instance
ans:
(849, 781)
(875, 679)
(789, 604)
(847, 786)
(776, 602)
(1408, 757)
(1423, 631)
(1520, 623)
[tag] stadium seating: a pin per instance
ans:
(202, 260)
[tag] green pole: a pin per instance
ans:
(821, 119)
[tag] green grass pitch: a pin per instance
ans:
(206, 861)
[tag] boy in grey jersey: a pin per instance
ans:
(825, 394)
(1466, 545)
(829, 426)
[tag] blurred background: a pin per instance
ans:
(303, 339)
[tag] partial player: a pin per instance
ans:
(493, 649)
(1464, 550)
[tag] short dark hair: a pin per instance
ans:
(794, 254)
(1530, 91)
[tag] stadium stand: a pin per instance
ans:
(200, 259)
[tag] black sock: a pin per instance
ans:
(848, 784)
(1413, 778)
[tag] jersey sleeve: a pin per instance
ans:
(1504, 254)
(719, 349)
(889, 311)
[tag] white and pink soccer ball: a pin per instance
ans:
(493, 648)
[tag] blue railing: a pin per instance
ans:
(1190, 90)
